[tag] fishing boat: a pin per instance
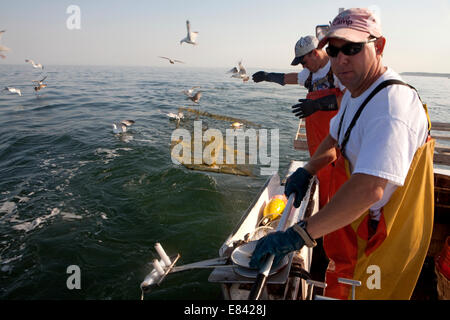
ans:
(288, 280)
(298, 276)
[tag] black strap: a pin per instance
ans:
(381, 86)
(308, 82)
(329, 77)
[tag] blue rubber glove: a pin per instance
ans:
(298, 182)
(270, 77)
(279, 244)
(307, 107)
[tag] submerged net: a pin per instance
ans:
(206, 115)
(208, 153)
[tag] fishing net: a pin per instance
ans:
(204, 143)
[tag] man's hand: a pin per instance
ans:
(259, 76)
(270, 77)
(298, 182)
(307, 107)
(279, 244)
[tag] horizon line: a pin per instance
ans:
(187, 66)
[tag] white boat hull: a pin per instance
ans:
(280, 285)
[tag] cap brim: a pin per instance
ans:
(350, 35)
(296, 61)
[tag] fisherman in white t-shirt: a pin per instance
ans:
(401, 130)
(316, 74)
(381, 214)
(321, 103)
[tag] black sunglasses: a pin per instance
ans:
(349, 49)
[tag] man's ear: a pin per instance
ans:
(379, 45)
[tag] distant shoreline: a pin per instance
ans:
(426, 74)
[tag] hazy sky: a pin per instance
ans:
(261, 32)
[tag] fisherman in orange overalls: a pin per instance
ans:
(321, 103)
(377, 226)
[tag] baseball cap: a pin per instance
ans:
(304, 46)
(354, 25)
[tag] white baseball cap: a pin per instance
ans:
(354, 25)
(304, 46)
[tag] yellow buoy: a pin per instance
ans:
(275, 207)
(237, 125)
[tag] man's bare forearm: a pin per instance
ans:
(291, 78)
(353, 199)
(324, 155)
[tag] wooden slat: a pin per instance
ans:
(441, 158)
(440, 126)
(446, 138)
(442, 149)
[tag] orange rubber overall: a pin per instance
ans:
(398, 247)
(317, 128)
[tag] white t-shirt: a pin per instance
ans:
(390, 129)
(321, 73)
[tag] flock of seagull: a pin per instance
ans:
(191, 37)
(237, 72)
(39, 83)
(122, 126)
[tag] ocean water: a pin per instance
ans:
(74, 193)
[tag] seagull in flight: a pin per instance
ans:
(239, 72)
(172, 61)
(3, 48)
(13, 90)
(190, 91)
(35, 65)
(122, 126)
(40, 84)
(191, 36)
(196, 97)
